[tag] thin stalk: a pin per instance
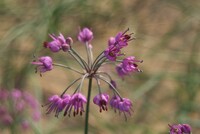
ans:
(101, 72)
(82, 60)
(60, 65)
(78, 60)
(87, 51)
(99, 64)
(88, 106)
(70, 86)
(98, 84)
(102, 78)
(98, 57)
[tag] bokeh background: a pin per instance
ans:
(167, 39)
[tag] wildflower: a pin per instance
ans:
(57, 104)
(112, 53)
(44, 64)
(127, 66)
(180, 129)
(120, 70)
(76, 102)
(122, 104)
(101, 100)
(85, 35)
(57, 44)
(186, 128)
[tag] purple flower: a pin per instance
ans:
(127, 66)
(186, 128)
(76, 103)
(120, 70)
(123, 105)
(85, 35)
(112, 53)
(180, 129)
(122, 39)
(57, 104)
(57, 44)
(44, 64)
(101, 100)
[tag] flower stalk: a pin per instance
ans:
(88, 106)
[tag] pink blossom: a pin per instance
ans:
(101, 100)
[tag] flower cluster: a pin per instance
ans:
(180, 129)
(14, 105)
(74, 104)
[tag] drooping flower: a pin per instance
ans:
(85, 35)
(57, 43)
(180, 129)
(112, 53)
(122, 104)
(127, 66)
(57, 103)
(76, 103)
(44, 64)
(186, 128)
(101, 100)
(120, 70)
(122, 39)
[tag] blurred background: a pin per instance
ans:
(167, 39)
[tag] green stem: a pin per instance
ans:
(88, 105)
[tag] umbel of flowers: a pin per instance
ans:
(73, 104)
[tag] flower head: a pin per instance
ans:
(57, 104)
(180, 129)
(76, 103)
(186, 128)
(127, 66)
(85, 35)
(44, 64)
(57, 43)
(101, 100)
(122, 104)
(112, 53)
